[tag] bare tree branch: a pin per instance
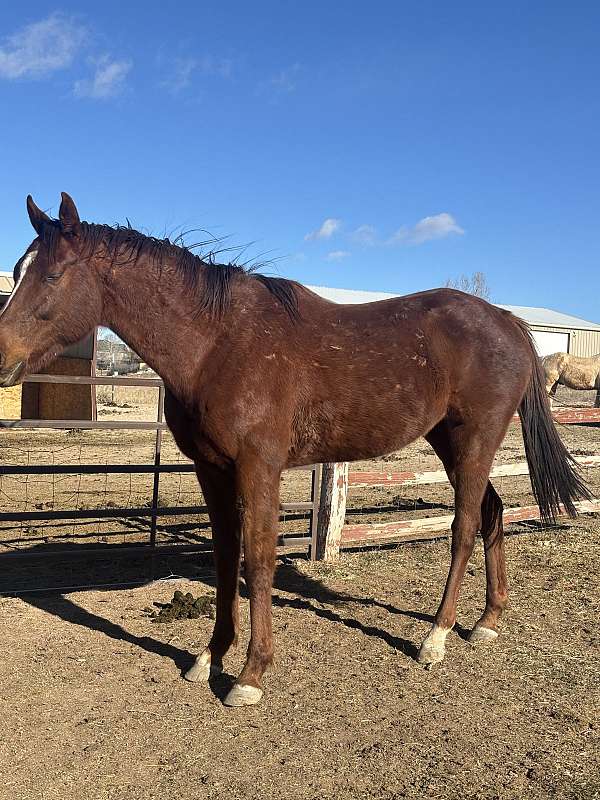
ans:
(474, 284)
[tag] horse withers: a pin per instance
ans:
(262, 374)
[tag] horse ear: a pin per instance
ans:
(36, 216)
(70, 223)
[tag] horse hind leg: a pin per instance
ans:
(551, 388)
(467, 456)
(492, 532)
(470, 485)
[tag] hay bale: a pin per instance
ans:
(60, 401)
(10, 402)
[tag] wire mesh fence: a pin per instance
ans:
(116, 482)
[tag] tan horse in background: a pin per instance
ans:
(574, 372)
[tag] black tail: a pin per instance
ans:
(555, 478)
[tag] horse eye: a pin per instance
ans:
(53, 278)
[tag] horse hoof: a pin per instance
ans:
(241, 695)
(481, 635)
(203, 669)
(428, 655)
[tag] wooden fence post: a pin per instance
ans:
(332, 511)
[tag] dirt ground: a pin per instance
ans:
(94, 706)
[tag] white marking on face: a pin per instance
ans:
(27, 262)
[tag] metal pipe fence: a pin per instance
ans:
(154, 510)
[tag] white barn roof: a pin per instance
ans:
(6, 283)
(350, 295)
(551, 318)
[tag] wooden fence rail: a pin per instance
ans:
(380, 478)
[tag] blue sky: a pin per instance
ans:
(386, 146)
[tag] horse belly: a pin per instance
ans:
(578, 378)
(361, 426)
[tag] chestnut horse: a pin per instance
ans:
(262, 374)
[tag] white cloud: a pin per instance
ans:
(108, 79)
(337, 255)
(219, 67)
(41, 48)
(326, 231)
(285, 80)
(283, 83)
(436, 227)
(365, 235)
(181, 75)
(183, 69)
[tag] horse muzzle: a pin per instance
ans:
(10, 376)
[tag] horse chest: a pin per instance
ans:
(196, 435)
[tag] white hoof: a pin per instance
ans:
(203, 669)
(481, 635)
(429, 655)
(241, 695)
(433, 648)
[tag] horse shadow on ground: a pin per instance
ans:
(115, 566)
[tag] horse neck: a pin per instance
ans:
(149, 308)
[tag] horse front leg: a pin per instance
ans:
(258, 492)
(220, 495)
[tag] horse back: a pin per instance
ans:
(379, 375)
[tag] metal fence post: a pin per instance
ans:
(156, 481)
(315, 499)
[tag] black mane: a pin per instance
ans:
(201, 274)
